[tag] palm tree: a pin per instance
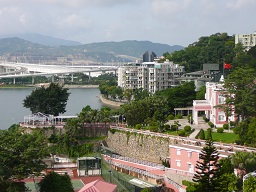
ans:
(85, 116)
(244, 161)
(94, 118)
(105, 116)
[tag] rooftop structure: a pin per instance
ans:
(43, 120)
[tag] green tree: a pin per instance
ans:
(244, 161)
(209, 134)
(54, 182)
(201, 134)
(250, 184)
(85, 117)
(242, 90)
(227, 180)
(200, 95)
(51, 100)
(180, 96)
(105, 115)
(227, 183)
(207, 168)
(140, 94)
(128, 94)
(21, 154)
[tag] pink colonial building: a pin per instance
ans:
(213, 97)
(184, 157)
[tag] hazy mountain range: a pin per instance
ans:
(38, 47)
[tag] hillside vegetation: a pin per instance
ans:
(126, 51)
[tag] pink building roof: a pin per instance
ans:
(99, 186)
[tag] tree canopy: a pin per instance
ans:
(216, 48)
(242, 91)
(21, 154)
(207, 168)
(49, 100)
(54, 182)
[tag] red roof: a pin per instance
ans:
(99, 186)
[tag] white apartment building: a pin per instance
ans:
(247, 40)
(151, 76)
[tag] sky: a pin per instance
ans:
(173, 22)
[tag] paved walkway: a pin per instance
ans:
(184, 122)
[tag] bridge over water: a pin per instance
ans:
(15, 70)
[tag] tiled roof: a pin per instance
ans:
(98, 186)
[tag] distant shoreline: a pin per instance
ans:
(39, 85)
(110, 103)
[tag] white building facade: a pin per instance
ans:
(247, 40)
(150, 76)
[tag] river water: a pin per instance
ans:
(13, 112)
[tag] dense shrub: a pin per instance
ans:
(187, 128)
(210, 124)
(209, 134)
(220, 130)
(154, 123)
(174, 127)
(225, 126)
(232, 124)
(190, 119)
(153, 128)
(112, 131)
(138, 126)
(167, 127)
(205, 119)
(170, 117)
(181, 133)
(178, 116)
(201, 134)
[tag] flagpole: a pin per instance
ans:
(223, 69)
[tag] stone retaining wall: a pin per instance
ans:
(139, 146)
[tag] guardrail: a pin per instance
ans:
(179, 172)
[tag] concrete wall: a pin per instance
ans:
(139, 146)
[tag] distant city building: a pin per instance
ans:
(209, 73)
(145, 57)
(247, 40)
(149, 57)
(150, 76)
(152, 56)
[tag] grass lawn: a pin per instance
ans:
(171, 133)
(224, 137)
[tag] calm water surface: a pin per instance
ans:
(12, 110)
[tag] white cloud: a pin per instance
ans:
(165, 8)
(165, 21)
(239, 4)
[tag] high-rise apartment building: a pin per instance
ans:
(150, 76)
(149, 57)
(247, 40)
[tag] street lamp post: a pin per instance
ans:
(110, 177)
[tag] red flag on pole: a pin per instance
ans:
(227, 66)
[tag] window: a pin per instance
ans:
(189, 154)
(190, 168)
(178, 163)
(178, 151)
(221, 100)
(221, 118)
